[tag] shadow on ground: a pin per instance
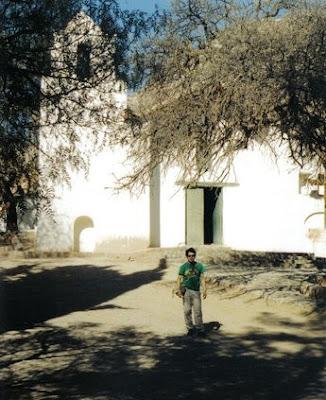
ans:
(28, 299)
(39, 361)
(129, 365)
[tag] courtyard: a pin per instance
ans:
(110, 328)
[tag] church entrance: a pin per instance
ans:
(204, 215)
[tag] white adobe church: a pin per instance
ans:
(263, 205)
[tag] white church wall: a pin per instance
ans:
(120, 219)
(263, 209)
(172, 210)
(54, 229)
(266, 211)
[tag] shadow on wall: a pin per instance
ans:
(54, 234)
(30, 298)
(98, 366)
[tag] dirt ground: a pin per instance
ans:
(110, 329)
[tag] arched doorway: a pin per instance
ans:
(81, 223)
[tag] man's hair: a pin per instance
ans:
(190, 250)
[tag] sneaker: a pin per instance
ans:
(191, 332)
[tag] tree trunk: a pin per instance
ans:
(11, 211)
(325, 199)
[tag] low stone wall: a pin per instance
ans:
(306, 289)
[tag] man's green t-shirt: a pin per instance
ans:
(191, 275)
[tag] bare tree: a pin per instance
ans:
(258, 79)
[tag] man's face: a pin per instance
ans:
(191, 257)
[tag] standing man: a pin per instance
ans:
(190, 281)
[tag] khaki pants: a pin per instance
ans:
(192, 301)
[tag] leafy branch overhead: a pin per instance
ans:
(255, 78)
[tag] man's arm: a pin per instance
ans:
(178, 286)
(203, 285)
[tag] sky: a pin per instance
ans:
(144, 5)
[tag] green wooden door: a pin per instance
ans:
(194, 216)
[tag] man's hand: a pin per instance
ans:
(203, 286)
(177, 291)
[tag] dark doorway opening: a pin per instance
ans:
(211, 196)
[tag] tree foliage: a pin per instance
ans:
(39, 71)
(252, 78)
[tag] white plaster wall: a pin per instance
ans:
(121, 221)
(54, 232)
(262, 208)
(265, 211)
(172, 211)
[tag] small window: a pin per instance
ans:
(83, 68)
